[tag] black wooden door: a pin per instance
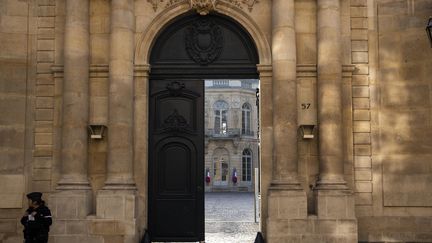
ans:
(176, 160)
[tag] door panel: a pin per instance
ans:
(176, 160)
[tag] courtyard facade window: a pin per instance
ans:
(246, 119)
(247, 165)
(221, 117)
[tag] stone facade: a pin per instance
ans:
(345, 115)
(231, 139)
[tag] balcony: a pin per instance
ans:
(248, 134)
(231, 133)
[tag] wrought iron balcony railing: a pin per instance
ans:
(230, 133)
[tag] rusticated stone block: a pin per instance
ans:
(42, 186)
(116, 205)
(361, 103)
(363, 175)
(42, 151)
(362, 162)
(8, 225)
(12, 192)
(359, 34)
(45, 56)
(363, 198)
(66, 239)
(44, 102)
(42, 174)
(359, 23)
(70, 204)
(103, 227)
(361, 126)
(361, 115)
(46, 33)
(362, 138)
(46, 2)
(58, 228)
(363, 186)
(46, 11)
(46, 22)
(361, 69)
(360, 91)
(335, 204)
(285, 204)
(44, 114)
(42, 162)
(358, 12)
(360, 57)
(45, 45)
(360, 3)
(362, 150)
(77, 227)
(359, 46)
(43, 138)
(45, 90)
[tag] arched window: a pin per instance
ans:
(221, 117)
(247, 165)
(246, 119)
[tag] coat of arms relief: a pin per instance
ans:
(204, 7)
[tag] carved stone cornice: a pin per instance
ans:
(203, 7)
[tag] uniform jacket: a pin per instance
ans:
(36, 223)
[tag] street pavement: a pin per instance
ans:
(229, 217)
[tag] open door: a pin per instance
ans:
(176, 160)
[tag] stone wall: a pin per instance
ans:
(387, 102)
(398, 206)
(17, 69)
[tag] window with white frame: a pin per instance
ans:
(221, 117)
(246, 119)
(247, 165)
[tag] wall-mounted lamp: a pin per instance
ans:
(307, 131)
(429, 30)
(96, 131)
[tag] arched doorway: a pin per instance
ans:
(192, 48)
(221, 161)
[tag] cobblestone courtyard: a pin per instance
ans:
(229, 218)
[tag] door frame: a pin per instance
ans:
(145, 42)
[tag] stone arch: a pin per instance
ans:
(146, 40)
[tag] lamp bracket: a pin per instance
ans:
(307, 131)
(96, 131)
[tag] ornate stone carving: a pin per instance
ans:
(204, 41)
(250, 4)
(172, 2)
(175, 88)
(154, 3)
(203, 7)
(175, 122)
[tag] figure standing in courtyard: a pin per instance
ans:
(36, 220)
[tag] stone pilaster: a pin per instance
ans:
(117, 200)
(330, 96)
(75, 97)
(141, 82)
(120, 124)
(284, 96)
(286, 198)
(335, 202)
(73, 200)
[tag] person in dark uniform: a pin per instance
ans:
(36, 220)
